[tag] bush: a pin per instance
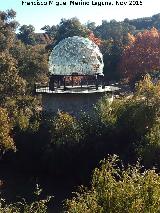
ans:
(65, 129)
(38, 206)
(116, 189)
(130, 120)
(6, 141)
(150, 150)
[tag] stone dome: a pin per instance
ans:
(76, 55)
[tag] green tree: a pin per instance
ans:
(27, 34)
(91, 25)
(150, 144)
(32, 63)
(116, 31)
(70, 27)
(150, 150)
(7, 29)
(51, 31)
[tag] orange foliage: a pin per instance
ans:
(142, 55)
(131, 38)
(93, 38)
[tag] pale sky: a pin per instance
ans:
(39, 15)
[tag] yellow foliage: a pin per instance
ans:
(6, 141)
(66, 129)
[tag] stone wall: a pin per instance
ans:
(69, 102)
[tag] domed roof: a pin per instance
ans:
(76, 55)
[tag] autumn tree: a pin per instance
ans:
(142, 55)
(114, 36)
(93, 38)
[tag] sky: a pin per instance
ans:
(41, 15)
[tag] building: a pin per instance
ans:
(76, 77)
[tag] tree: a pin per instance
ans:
(70, 27)
(27, 35)
(142, 55)
(146, 23)
(32, 63)
(116, 31)
(91, 25)
(150, 143)
(37, 206)
(11, 84)
(51, 31)
(7, 29)
(130, 119)
(23, 112)
(114, 36)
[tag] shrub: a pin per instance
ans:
(151, 147)
(38, 206)
(65, 129)
(116, 189)
(6, 141)
(91, 124)
(24, 112)
(109, 111)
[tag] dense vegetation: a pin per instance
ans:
(37, 206)
(63, 146)
(118, 189)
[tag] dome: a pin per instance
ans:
(76, 55)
